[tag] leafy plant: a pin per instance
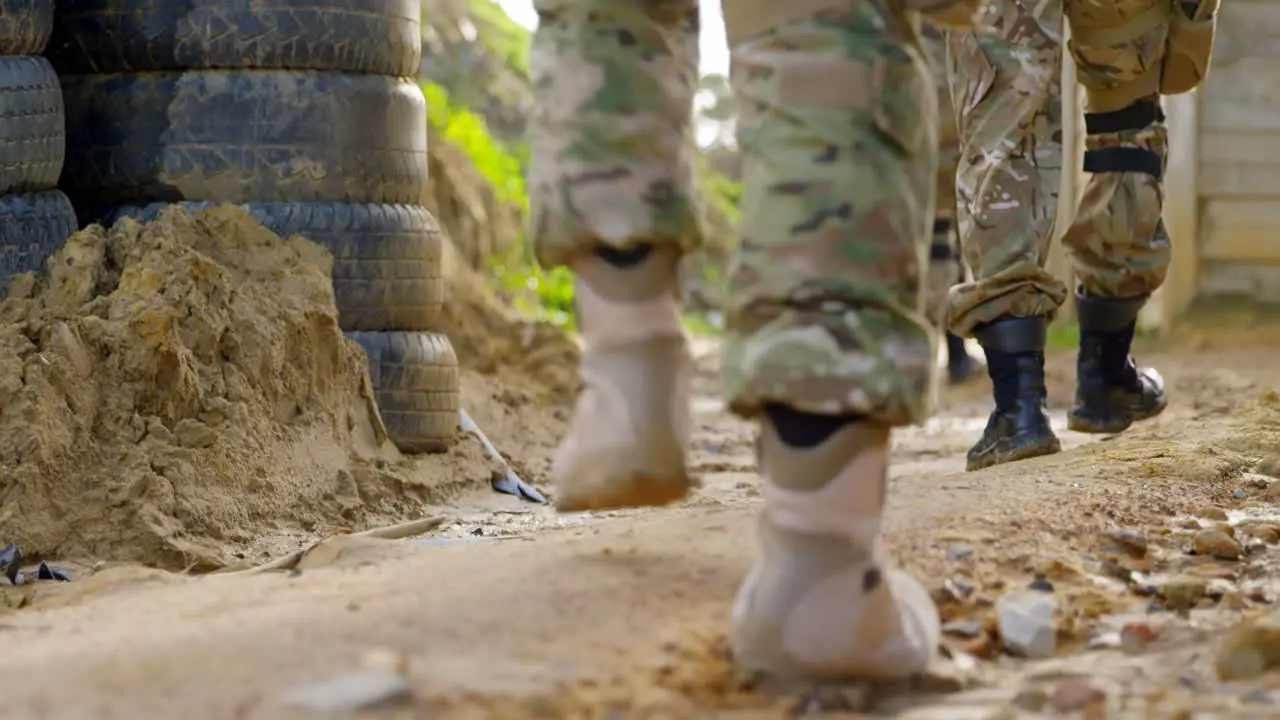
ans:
(548, 293)
(504, 37)
(457, 125)
(543, 293)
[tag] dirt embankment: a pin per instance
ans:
(172, 393)
(519, 378)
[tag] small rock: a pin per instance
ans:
(1258, 593)
(1216, 544)
(1183, 593)
(963, 587)
(950, 594)
(1218, 587)
(192, 433)
(964, 628)
(1113, 569)
(1239, 494)
(1266, 533)
(1031, 699)
(1250, 649)
(1105, 641)
(1213, 513)
(1234, 601)
(1136, 636)
(1076, 694)
(832, 699)
(980, 646)
(956, 553)
(1128, 541)
(1257, 481)
(1269, 467)
(1026, 624)
(351, 692)
(1259, 696)
(1041, 585)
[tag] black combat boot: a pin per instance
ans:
(1112, 392)
(959, 362)
(1019, 426)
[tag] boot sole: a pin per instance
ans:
(1050, 446)
(637, 492)
(1084, 424)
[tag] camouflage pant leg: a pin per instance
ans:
(945, 268)
(1118, 244)
(1007, 87)
(612, 150)
(839, 147)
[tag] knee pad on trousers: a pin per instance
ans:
(802, 430)
(1137, 116)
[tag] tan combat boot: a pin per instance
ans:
(630, 433)
(821, 604)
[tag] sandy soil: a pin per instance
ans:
(508, 610)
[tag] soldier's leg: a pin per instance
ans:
(611, 192)
(827, 345)
(1118, 243)
(945, 268)
(1006, 85)
(945, 272)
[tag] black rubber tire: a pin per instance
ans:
(243, 136)
(33, 226)
(382, 37)
(25, 26)
(417, 386)
(33, 141)
(387, 259)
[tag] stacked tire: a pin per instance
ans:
(35, 217)
(304, 113)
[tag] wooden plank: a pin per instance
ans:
(1239, 180)
(1246, 29)
(1243, 96)
(1245, 147)
(1257, 283)
(1181, 206)
(1241, 231)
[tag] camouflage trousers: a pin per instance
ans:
(1006, 84)
(945, 268)
(839, 147)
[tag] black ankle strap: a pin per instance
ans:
(1013, 336)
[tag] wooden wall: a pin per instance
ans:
(1233, 186)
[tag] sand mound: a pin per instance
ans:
(172, 393)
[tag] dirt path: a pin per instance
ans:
(511, 611)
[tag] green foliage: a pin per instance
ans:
(461, 127)
(722, 195)
(545, 294)
(538, 292)
(702, 324)
(542, 293)
(501, 35)
(1063, 336)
